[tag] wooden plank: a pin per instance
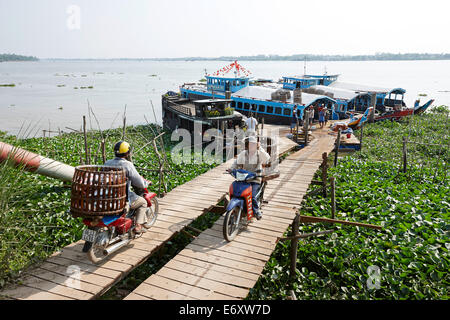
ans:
(47, 286)
(157, 293)
(239, 241)
(209, 274)
(135, 296)
(185, 289)
(214, 244)
(203, 283)
(84, 267)
(87, 277)
(28, 293)
(211, 258)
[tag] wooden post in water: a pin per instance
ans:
(103, 151)
(306, 126)
(324, 167)
(86, 152)
(294, 246)
(333, 197)
(373, 102)
(336, 148)
(361, 137)
(405, 141)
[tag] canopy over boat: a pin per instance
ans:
(265, 93)
(336, 93)
(366, 88)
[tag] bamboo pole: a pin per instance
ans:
(324, 173)
(294, 246)
(103, 151)
(306, 235)
(306, 126)
(337, 146)
(310, 219)
(333, 198)
(404, 151)
(86, 152)
(361, 138)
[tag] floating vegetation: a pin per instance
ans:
(84, 75)
(60, 85)
(8, 85)
(153, 75)
(411, 252)
(60, 108)
(75, 87)
(202, 80)
(422, 94)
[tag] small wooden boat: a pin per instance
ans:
(421, 109)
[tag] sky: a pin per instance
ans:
(213, 28)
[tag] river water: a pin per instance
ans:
(45, 96)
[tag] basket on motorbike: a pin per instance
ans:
(98, 191)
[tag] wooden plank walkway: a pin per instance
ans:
(210, 268)
(68, 274)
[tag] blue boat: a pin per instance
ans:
(274, 101)
(265, 99)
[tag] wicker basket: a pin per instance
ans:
(98, 191)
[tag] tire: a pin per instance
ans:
(152, 212)
(95, 253)
(231, 224)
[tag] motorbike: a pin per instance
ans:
(240, 209)
(105, 235)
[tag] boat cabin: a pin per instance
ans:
(306, 81)
(209, 108)
(179, 112)
(222, 84)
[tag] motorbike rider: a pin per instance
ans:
(253, 159)
(122, 151)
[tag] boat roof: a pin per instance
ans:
(339, 93)
(365, 88)
(264, 93)
(209, 101)
(311, 76)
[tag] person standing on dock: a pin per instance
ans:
(327, 115)
(311, 115)
(251, 124)
(321, 117)
(294, 119)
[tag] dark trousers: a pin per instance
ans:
(255, 190)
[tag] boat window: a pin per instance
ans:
(269, 109)
(286, 112)
(277, 110)
(254, 107)
(239, 105)
(233, 104)
(262, 108)
(246, 106)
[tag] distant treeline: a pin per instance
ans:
(297, 57)
(334, 57)
(16, 57)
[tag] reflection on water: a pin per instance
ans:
(55, 94)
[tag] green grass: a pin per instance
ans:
(413, 208)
